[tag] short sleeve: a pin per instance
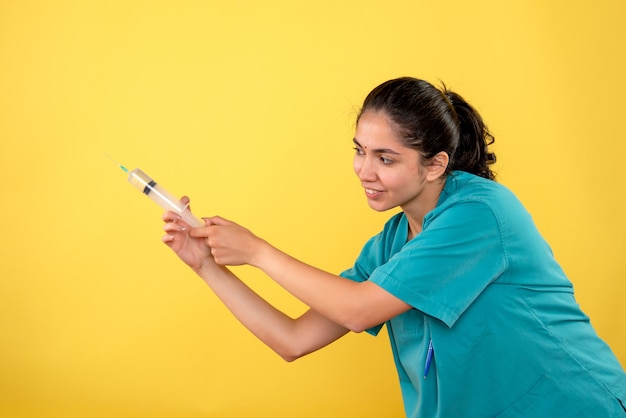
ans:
(377, 250)
(374, 254)
(446, 267)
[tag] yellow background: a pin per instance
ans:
(249, 107)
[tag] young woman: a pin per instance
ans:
(481, 318)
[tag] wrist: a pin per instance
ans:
(261, 254)
(207, 269)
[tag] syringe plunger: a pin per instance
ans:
(162, 197)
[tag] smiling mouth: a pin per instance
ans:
(372, 192)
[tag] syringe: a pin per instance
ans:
(162, 197)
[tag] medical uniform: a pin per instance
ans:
(508, 338)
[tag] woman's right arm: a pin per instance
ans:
(290, 338)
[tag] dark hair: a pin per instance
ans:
(431, 120)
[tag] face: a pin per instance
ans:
(390, 172)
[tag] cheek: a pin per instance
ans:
(399, 182)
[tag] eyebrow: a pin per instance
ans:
(378, 150)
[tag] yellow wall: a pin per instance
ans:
(249, 106)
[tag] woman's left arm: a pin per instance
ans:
(355, 305)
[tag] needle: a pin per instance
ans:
(120, 165)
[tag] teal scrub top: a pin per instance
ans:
(508, 338)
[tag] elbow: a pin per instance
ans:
(361, 317)
(290, 349)
(368, 308)
(356, 319)
(289, 358)
(290, 354)
(357, 326)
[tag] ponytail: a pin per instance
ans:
(472, 153)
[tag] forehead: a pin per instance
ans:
(375, 129)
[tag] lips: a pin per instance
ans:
(372, 192)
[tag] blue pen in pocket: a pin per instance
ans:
(429, 358)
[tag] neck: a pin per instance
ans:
(428, 201)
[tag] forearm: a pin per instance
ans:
(290, 338)
(344, 301)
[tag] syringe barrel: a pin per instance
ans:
(162, 197)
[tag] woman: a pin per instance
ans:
(481, 318)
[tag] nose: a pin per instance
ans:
(364, 168)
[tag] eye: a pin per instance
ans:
(358, 150)
(386, 161)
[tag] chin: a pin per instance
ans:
(379, 208)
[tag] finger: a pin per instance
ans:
(208, 221)
(168, 239)
(200, 232)
(186, 201)
(174, 227)
(170, 216)
(216, 257)
(218, 220)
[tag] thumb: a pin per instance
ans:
(216, 220)
(186, 201)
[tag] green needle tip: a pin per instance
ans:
(124, 169)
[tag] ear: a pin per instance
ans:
(437, 167)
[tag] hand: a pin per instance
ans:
(193, 251)
(230, 244)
